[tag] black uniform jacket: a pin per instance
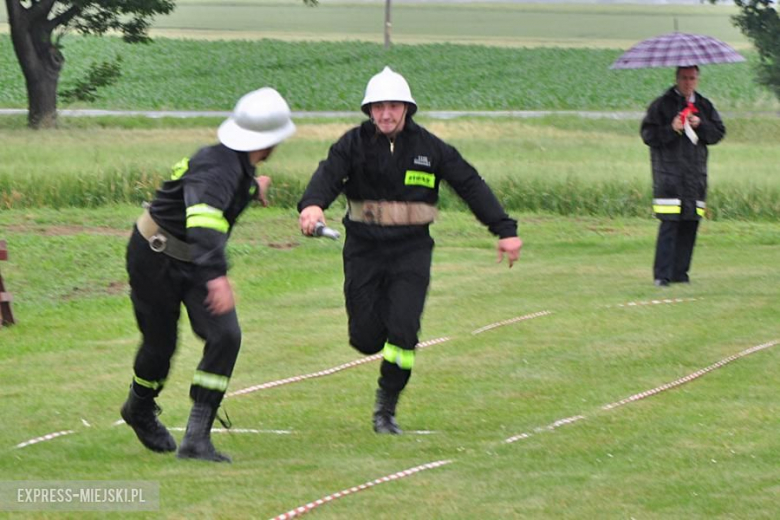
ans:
(217, 177)
(679, 166)
(362, 165)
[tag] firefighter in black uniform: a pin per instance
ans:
(390, 170)
(678, 127)
(177, 255)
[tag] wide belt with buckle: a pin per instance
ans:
(391, 213)
(160, 240)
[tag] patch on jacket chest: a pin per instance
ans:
(422, 160)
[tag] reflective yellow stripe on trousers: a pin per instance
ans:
(401, 357)
(211, 381)
(667, 206)
(153, 385)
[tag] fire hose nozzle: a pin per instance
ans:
(321, 230)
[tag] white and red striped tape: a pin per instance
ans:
(298, 511)
(550, 427)
(43, 438)
(656, 302)
(374, 357)
(326, 372)
(689, 377)
(648, 393)
(510, 321)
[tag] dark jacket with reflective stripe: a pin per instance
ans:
(218, 177)
(679, 166)
(361, 165)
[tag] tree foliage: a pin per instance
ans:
(37, 28)
(759, 21)
(99, 75)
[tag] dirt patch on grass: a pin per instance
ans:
(67, 230)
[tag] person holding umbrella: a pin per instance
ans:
(678, 127)
(390, 169)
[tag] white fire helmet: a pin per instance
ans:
(388, 86)
(260, 120)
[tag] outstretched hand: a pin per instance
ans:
(219, 299)
(511, 247)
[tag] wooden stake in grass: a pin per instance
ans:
(6, 316)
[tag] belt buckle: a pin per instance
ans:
(157, 243)
(370, 213)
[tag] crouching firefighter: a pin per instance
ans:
(176, 255)
(389, 168)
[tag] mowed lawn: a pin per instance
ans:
(596, 331)
(566, 387)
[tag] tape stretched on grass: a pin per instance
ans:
(510, 321)
(374, 357)
(298, 511)
(689, 377)
(44, 438)
(656, 302)
(327, 372)
(648, 393)
(237, 430)
(304, 377)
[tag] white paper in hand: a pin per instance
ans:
(690, 133)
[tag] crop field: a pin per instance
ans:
(331, 76)
(567, 387)
(558, 59)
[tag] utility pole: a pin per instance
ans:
(388, 24)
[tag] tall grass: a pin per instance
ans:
(561, 165)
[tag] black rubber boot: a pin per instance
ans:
(140, 413)
(384, 412)
(196, 443)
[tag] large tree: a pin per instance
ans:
(38, 25)
(759, 21)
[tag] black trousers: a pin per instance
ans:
(674, 250)
(159, 285)
(385, 285)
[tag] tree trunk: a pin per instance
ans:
(40, 59)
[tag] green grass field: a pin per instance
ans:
(700, 450)
(707, 449)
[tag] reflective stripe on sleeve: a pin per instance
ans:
(180, 168)
(401, 357)
(211, 381)
(205, 216)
